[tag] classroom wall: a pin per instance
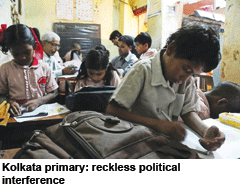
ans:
(110, 14)
(171, 18)
(5, 18)
(165, 23)
(42, 14)
(128, 22)
(230, 65)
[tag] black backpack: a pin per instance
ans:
(93, 98)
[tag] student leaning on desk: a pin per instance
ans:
(25, 80)
(155, 92)
(225, 97)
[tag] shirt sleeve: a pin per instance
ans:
(58, 68)
(130, 88)
(204, 106)
(51, 82)
(113, 61)
(191, 101)
(3, 80)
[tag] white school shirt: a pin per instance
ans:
(53, 64)
(145, 91)
(123, 63)
(150, 53)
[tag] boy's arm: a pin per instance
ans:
(172, 129)
(32, 104)
(212, 138)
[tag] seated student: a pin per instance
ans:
(75, 46)
(143, 43)
(51, 44)
(125, 57)
(74, 60)
(96, 71)
(155, 92)
(25, 80)
(115, 35)
(101, 47)
(143, 46)
(225, 97)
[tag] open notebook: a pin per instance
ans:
(229, 150)
(45, 110)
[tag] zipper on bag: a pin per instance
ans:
(80, 140)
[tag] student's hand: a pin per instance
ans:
(31, 105)
(172, 129)
(212, 139)
(69, 70)
(15, 108)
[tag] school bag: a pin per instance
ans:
(93, 98)
(89, 134)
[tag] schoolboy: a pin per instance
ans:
(154, 93)
(143, 46)
(125, 56)
(225, 97)
(114, 37)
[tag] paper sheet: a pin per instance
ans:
(52, 109)
(229, 150)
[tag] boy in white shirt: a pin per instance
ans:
(143, 46)
(154, 93)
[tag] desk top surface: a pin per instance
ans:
(46, 120)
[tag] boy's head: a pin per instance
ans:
(191, 50)
(51, 43)
(125, 44)
(225, 97)
(198, 44)
(114, 36)
(143, 42)
(76, 46)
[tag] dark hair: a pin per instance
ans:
(230, 91)
(103, 48)
(97, 60)
(127, 39)
(17, 35)
(196, 43)
(115, 34)
(144, 38)
(77, 52)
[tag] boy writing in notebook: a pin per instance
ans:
(155, 92)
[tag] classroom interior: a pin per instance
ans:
(159, 18)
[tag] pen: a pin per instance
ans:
(199, 151)
(166, 116)
(202, 152)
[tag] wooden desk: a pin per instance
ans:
(8, 153)
(46, 120)
(15, 134)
